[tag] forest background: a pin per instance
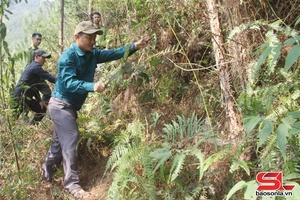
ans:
(210, 103)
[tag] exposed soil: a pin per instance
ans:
(91, 170)
(92, 180)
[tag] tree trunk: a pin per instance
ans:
(61, 32)
(90, 11)
(238, 46)
(233, 125)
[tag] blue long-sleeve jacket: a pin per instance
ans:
(76, 72)
(33, 75)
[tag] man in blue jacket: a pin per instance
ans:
(26, 94)
(76, 69)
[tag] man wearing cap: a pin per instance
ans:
(26, 94)
(43, 86)
(76, 69)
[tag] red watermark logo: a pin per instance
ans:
(272, 182)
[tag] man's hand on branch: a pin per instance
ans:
(99, 87)
(142, 42)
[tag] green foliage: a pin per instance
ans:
(162, 169)
(172, 164)
(270, 52)
(270, 105)
(183, 128)
(132, 177)
(285, 129)
(19, 178)
(179, 153)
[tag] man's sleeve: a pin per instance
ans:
(45, 75)
(114, 54)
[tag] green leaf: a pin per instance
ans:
(288, 120)
(200, 156)
(275, 53)
(264, 56)
(292, 57)
(139, 82)
(144, 76)
(292, 176)
(250, 190)
(240, 185)
(276, 25)
(295, 129)
(297, 22)
(294, 114)
(8, 11)
(265, 132)
(5, 46)
(296, 191)
(290, 41)
(177, 164)
(210, 160)
(155, 62)
(240, 163)
(3, 31)
(282, 132)
(162, 155)
(252, 123)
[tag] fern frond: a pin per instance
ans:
(184, 127)
(115, 156)
(177, 165)
(161, 155)
(210, 160)
(196, 192)
(269, 153)
(239, 163)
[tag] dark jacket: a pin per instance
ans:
(32, 76)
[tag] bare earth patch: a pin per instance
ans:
(92, 180)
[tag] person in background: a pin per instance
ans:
(36, 41)
(26, 94)
(76, 70)
(43, 86)
(101, 39)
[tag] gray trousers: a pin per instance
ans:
(65, 140)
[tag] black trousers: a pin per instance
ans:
(27, 102)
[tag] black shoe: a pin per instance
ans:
(47, 173)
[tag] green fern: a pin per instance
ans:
(132, 165)
(179, 152)
(183, 128)
(177, 166)
(161, 155)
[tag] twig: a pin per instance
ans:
(189, 70)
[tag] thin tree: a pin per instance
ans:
(90, 7)
(223, 69)
(61, 32)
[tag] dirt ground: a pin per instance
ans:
(91, 170)
(92, 180)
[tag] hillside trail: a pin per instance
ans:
(91, 168)
(92, 180)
